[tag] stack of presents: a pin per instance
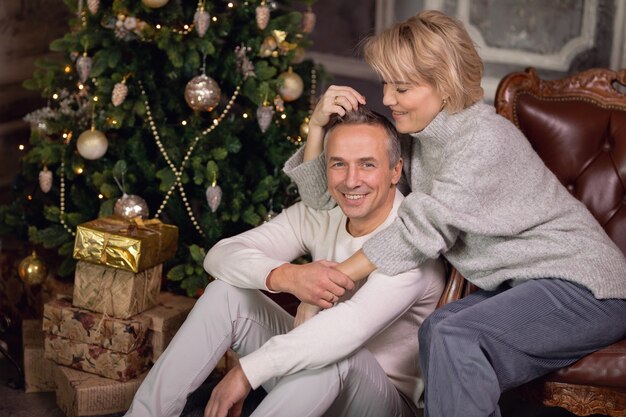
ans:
(96, 348)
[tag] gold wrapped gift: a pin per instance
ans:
(133, 245)
(61, 319)
(116, 292)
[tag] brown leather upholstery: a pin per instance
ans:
(577, 125)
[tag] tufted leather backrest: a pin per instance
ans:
(577, 125)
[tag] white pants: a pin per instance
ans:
(229, 317)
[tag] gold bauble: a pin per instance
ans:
(155, 4)
(304, 128)
(202, 93)
(32, 270)
(291, 85)
(92, 144)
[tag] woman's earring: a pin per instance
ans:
(443, 104)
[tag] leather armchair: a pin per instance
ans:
(577, 125)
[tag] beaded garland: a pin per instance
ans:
(178, 172)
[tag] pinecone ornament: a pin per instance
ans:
(308, 20)
(262, 16)
(120, 90)
(83, 67)
(214, 196)
(93, 6)
(201, 20)
(45, 179)
(264, 116)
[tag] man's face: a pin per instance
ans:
(359, 177)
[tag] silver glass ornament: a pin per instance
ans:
(202, 93)
(131, 206)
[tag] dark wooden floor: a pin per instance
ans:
(16, 403)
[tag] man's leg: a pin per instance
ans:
(354, 387)
(485, 348)
(223, 317)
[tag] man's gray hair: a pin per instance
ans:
(365, 116)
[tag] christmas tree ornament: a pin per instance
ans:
(201, 20)
(202, 93)
(214, 195)
(262, 13)
(45, 179)
(243, 63)
(131, 206)
(92, 144)
(83, 67)
(268, 47)
(154, 4)
(32, 269)
(304, 128)
(298, 55)
(264, 115)
(291, 85)
(120, 90)
(308, 20)
(93, 6)
(279, 104)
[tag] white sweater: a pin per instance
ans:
(383, 313)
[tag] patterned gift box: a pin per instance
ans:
(116, 292)
(96, 359)
(60, 318)
(38, 371)
(83, 394)
(165, 320)
(133, 245)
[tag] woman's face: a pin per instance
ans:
(413, 106)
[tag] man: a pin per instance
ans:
(358, 358)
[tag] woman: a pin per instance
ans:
(553, 285)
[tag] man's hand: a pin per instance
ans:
(305, 312)
(317, 283)
(229, 394)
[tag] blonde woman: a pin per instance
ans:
(552, 284)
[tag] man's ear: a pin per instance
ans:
(397, 172)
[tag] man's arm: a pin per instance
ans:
(337, 332)
(262, 256)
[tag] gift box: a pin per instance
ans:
(165, 320)
(116, 292)
(83, 394)
(60, 318)
(133, 245)
(38, 371)
(96, 359)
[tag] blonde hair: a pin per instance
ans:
(431, 48)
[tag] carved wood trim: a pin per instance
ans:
(581, 400)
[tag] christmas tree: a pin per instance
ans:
(167, 109)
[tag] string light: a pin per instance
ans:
(178, 171)
(21, 147)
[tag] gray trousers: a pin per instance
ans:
(474, 349)
(241, 319)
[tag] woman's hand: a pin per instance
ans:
(337, 99)
(305, 311)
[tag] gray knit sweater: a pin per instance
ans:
(482, 197)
